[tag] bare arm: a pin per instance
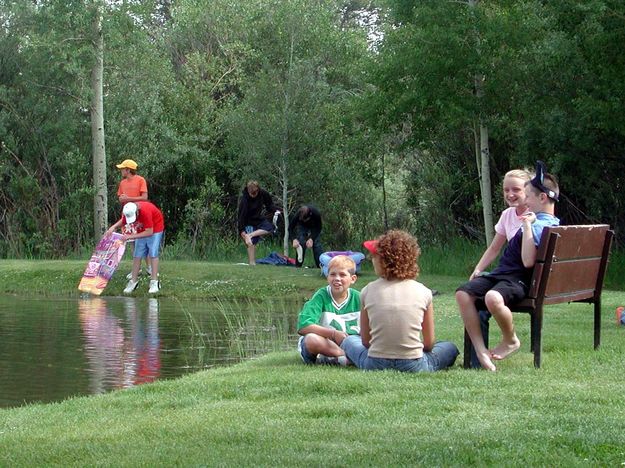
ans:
(146, 233)
(427, 328)
(331, 334)
(489, 254)
(113, 228)
(528, 247)
(365, 331)
(123, 199)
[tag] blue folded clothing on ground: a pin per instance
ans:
(274, 258)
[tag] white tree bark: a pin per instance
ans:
(483, 152)
(485, 186)
(100, 220)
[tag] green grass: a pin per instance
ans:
(274, 411)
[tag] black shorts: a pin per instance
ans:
(512, 288)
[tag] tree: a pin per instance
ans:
(282, 129)
(100, 221)
(450, 70)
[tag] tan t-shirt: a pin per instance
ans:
(395, 310)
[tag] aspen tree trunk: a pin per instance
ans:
(485, 186)
(483, 155)
(100, 220)
(285, 208)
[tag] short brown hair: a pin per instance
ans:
(399, 253)
(343, 261)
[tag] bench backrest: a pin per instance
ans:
(570, 264)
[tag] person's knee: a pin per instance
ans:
(493, 300)
(314, 343)
(463, 297)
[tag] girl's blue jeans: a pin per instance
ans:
(442, 356)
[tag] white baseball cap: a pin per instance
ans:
(130, 212)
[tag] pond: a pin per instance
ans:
(51, 349)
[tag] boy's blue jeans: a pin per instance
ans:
(442, 356)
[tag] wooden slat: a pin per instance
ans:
(569, 297)
(580, 241)
(571, 276)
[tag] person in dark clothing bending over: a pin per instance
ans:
(304, 231)
(252, 224)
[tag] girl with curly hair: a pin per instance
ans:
(397, 316)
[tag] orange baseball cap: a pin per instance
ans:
(127, 164)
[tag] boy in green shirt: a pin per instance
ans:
(330, 315)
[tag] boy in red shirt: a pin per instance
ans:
(147, 225)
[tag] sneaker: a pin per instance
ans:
(148, 269)
(131, 286)
(155, 286)
(331, 360)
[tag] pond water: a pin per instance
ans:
(51, 349)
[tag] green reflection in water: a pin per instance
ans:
(52, 349)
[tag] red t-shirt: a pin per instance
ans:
(149, 217)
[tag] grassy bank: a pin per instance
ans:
(273, 410)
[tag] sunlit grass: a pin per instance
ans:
(274, 410)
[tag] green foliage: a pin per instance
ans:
(205, 94)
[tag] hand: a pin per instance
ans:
(309, 244)
(528, 217)
(295, 243)
(475, 274)
(123, 199)
(339, 336)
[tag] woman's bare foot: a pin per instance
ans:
(485, 361)
(248, 240)
(504, 349)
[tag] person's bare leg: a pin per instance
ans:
(503, 315)
(246, 239)
(251, 254)
(471, 319)
(154, 264)
(258, 233)
(136, 266)
(316, 344)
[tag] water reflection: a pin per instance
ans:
(51, 349)
(118, 358)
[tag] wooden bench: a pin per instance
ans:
(570, 267)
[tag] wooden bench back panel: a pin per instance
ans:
(570, 276)
(572, 254)
(579, 241)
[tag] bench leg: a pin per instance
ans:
(536, 335)
(597, 305)
(468, 350)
